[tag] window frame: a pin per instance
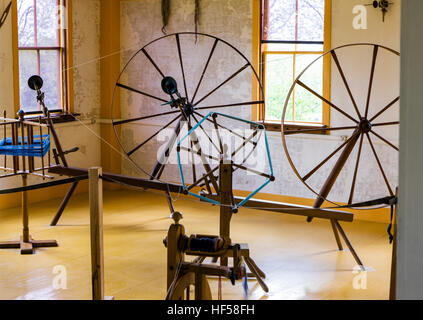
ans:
(259, 53)
(66, 63)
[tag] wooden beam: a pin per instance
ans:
(119, 178)
(286, 208)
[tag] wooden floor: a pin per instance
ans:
(300, 259)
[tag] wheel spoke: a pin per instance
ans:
(379, 164)
(262, 174)
(154, 135)
(386, 124)
(356, 170)
(178, 42)
(252, 150)
(245, 143)
(372, 73)
(384, 140)
(201, 127)
(117, 123)
(216, 127)
(308, 175)
(223, 83)
(203, 178)
(344, 79)
(194, 171)
(152, 62)
(205, 69)
(325, 100)
(232, 105)
(384, 109)
(298, 131)
(140, 92)
(199, 153)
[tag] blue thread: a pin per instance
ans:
(38, 148)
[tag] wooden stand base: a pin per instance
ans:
(28, 247)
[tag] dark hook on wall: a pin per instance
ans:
(5, 14)
(383, 5)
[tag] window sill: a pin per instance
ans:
(63, 117)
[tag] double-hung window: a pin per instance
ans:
(42, 50)
(294, 34)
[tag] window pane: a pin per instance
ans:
(26, 23)
(295, 20)
(27, 68)
(311, 20)
(279, 78)
(308, 108)
(50, 67)
(281, 20)
(47, 23)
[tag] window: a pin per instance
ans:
(42, 42)
(294, 34)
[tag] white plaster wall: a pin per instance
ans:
(232, 21)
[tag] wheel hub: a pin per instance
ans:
(365, 126)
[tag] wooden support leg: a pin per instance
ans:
(259, 271)
(349, 245)
(26, 243)
(96, 225)
(256, 274)
(335, 232)
(64, 204)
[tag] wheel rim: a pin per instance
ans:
(364, 121)
(198, 99)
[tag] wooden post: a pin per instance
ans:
(393, 287)
(225, 186)
(25, 217)
(96, 226)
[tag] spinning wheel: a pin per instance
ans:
(167, 85)
(364, 114)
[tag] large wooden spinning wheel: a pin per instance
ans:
(364, 127)
(174, 81)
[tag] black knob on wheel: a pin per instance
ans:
(35, 82)
(169, 85)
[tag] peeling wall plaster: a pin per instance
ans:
(232, 21)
